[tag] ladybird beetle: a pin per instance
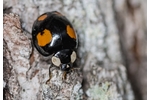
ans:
(53, 34)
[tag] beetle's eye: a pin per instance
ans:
(73, 56)
(56, 61)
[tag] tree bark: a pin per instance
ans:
(112, 44)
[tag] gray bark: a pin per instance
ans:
(104, 55)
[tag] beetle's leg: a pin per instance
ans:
(64, 75)
(50, 76)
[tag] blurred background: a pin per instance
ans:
(114, 31)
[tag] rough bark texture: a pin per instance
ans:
(111, 52)
(132, 19)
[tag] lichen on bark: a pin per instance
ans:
(102, 73)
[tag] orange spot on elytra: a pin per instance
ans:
(71, 32)
(58, 13)
(45, 38)
(42, 17)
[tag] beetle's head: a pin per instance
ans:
(64, 59)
